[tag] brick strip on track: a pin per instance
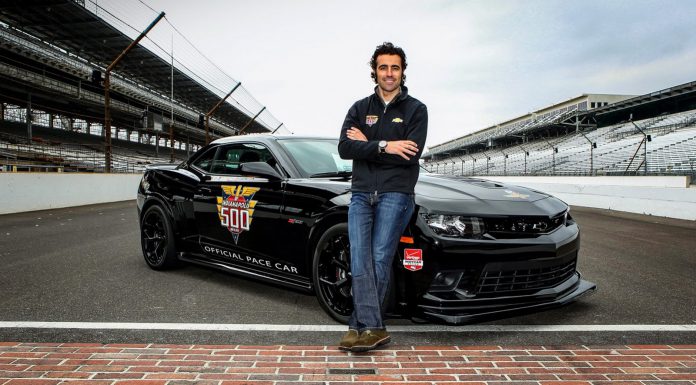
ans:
(154, 364)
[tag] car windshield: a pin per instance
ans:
(317, 157)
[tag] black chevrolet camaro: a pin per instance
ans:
(275, 208)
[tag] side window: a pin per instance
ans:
(226, 161)
(205, 161)
(229, 159)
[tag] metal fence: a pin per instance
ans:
(169, 43)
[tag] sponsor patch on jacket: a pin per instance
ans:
(413, 259)
(397, 120)
(515, 194)
(371, 119)
(236, 208)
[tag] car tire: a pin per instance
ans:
(157, 239)
(331, 273)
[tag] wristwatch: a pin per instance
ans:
(382, 146)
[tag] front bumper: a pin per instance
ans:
(466, 311)
(464, 281)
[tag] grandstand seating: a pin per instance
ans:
(619, 151)
(64, 156)
(68, 63)
(512, 129)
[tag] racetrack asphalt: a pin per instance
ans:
(84, 265)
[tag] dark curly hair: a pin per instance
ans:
(387, 48)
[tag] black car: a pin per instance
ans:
(275, 208)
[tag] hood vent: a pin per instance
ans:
(487, 184)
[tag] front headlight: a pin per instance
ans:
(456, 226)
(144, 184)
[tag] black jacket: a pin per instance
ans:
(404, 118)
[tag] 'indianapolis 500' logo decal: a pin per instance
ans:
(235, 208)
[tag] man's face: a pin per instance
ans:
(389, 72)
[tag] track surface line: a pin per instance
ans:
(332, 328)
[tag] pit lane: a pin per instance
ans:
(84, 265)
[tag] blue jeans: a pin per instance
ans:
(375, 224)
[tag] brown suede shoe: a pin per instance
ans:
(348, 340)
(370, 339)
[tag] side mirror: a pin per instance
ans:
(260, 169)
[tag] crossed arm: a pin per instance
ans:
(354, 144)
(403, 148)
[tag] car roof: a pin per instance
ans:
(266, 137)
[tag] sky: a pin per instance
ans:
(473, 63)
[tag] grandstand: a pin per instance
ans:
(53, 56)
(652, 134)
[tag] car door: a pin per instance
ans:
(237, 215)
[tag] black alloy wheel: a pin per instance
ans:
(331, 273)
(157, 239)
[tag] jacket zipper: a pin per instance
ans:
(380, 121)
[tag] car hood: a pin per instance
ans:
(461, 195)
(445, 193)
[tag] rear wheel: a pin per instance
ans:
(331, 273)
(157, 239)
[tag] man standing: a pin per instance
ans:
(384, 134)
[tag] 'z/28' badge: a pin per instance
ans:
(236, 208)
(413, 259)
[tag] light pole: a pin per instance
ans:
(505, 157)
(593, 145)
(212, 111)
(526, 154)
(646, 138)
(488, 160)
(107, 96)
(473, 165)
(251, 121)
(554, 150)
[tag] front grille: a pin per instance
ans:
(524, 279)
(523, 227)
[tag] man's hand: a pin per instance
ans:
(355, 134)
(402, 148)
